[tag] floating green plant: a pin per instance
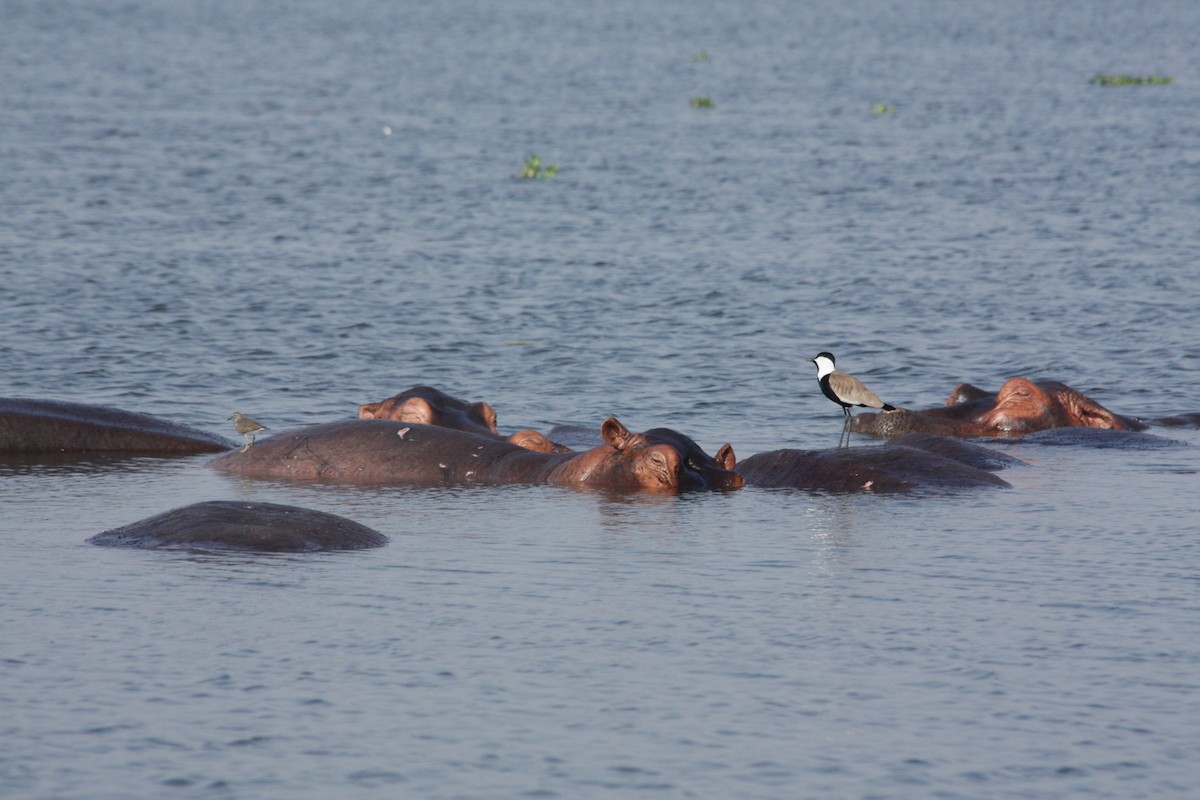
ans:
(533, 169)
(882, 109)
(701, 56)
(1104, 79)
(702, 102)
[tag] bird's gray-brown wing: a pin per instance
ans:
(247, 425)
(852, 390)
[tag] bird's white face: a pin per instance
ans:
(824, 366)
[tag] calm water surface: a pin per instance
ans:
(292, 209)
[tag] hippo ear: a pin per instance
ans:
(1094, 415)
(726, 458)
(484, 414)
(1084, 412)
(615, 434)
(418, 410)
(965, 393)
(368, 411)
(532, 440)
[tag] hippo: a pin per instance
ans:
(429, 406)
(55, 427)
(233, 525)
(973, 455)
(389, 452)
(1020, 407)
(919, 463)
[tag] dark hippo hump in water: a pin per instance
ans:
(375, 451)
(974, 455)
(876, 468)
(255, 527)
(50, 426)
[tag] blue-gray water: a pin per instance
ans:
(290, 209)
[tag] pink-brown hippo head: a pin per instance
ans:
(659, 460)
(1021, 406)
(426, 405)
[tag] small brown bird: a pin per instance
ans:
(247, 427)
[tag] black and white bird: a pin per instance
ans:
(247, 427)
(845, 390)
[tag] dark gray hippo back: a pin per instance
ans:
(53, 426)
(232, 525)
(974, 455)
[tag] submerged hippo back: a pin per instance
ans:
(51, 426)
(385, 452)
(235, 525)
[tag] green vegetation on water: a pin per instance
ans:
(882, 109)
(1104, 79)
(702, 102)
(701, 56)
(533, 169)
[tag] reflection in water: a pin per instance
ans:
(832, 519)
(13, 464)
(833, 524)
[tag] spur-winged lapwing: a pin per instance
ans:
(845, 390)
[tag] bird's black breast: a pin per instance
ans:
(828, 392)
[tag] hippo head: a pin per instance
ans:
(1023, 406)
(659, 460)
(428, 406)
(1020, 407)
